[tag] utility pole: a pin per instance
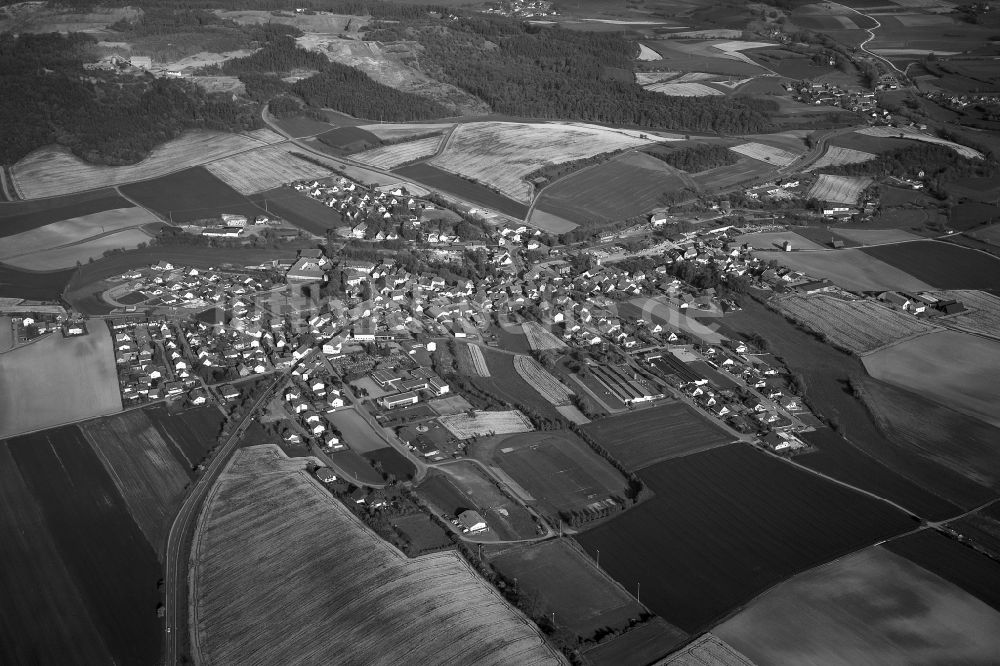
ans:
(598, 558)
(637, 585)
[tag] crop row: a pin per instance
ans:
(542, 380)
(540, 338)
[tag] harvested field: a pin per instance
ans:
(17, 217)
(956, 370)
(396, 131)
(438, 179)
(643, 644)
(708, 649)
(87, 386)
(80, 253)
(768, 520)
(646, 53)
(765, 153)
(540, 337)
(73, 230)
(145, 468)
(644, 437)
(836, 156)
(690, 89)
(627, 185)
(84, 515)
(870, 607)
(860, 327)
(981, 315)
(542, 381)
(390, 157)
(955, 562)
(852, 269)
(246, 612)
(944, 437)
(478, 360)
(944, 265)
(549, 222)
(192, 194)
(910, 133)
(839, 189)
(264, 169)
(774, 240)
(358, 433)
(561, 473)
(500, 154)
(52, 171)
(564, 581)
(464, 426)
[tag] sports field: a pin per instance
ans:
(58, 380)
(264, 169)
(870, 607)
(957, 370)
(627, 185)
(644, 437)
(851, 269)
(559, 471)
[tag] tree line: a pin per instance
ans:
(696, 158)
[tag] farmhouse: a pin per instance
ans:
(471, 522)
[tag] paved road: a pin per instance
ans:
(871, 36)
(175, 556)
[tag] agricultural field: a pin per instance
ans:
(264, 169)
(145, 468)
(344, 140)
(466, 426)
(837, 156)
(775, 240)
(839, 189)
(708, 649)
(16, 217)
(646, 53)
(642, 644)
(500, 154)
(73, 230)
(731, 175)
(190, 432)
(505, 383)
(957, 370)
(358, 434)
(192, 194)
(944, 265)
(860, 327)
(910, 133)
(434, 178)
(873, 236)
(963, 217)
(981, 315)
(870, 607)
(627, 185)
(558, 470)
(53, 171)
(562, 580)
(301, 126)
(982, 528)
(58, 380)
(703, 56)
(423, 533)
(479, 367)
(644, 437)
(542, 381)
(15, 283)
(396, 131)
(392, 462)
(768, 520)
(297, 209)
(113, 589)
(853, 269)
(946, 438)
(390, 157)
(80, 253)
(549, 222)
(683, 89)
(765, 153)
(955, 562)
(245, 611)
(540, 337)
(32, 18)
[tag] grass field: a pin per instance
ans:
(859, 327)
(836, 156)
(424, 534)
(944, 265)
(83, 514)
(58, 380)
(353, 595)
(19, 216)
(973, 572)
(758, 520)
(558, 470)
(765, 153)
(192, 194)
(358, 433)
(838, 189)
(955, 369)
(53, 171)
(644, 437)
(465, 426)
(389, 157)
(395, 131)
(392, 462)
(910, 133)
(643, 644)
(349, 139)
(73, 230)
(264, 169)
(870, 607)
(627, 185)
(80, 253)
(542, 381)
(437, 179)
(562, 580)
(853, 269)
(502, 154)
(145, 468)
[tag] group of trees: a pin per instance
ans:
(696, 158)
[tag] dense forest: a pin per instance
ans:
(524, 70)
(696, 158)
(351, 91)
(103, 117)
(376, 8)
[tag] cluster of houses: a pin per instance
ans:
(959, 101)
(854, 99)
(358, 205)
(309, 401)
(151, 363)
(164, 285)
